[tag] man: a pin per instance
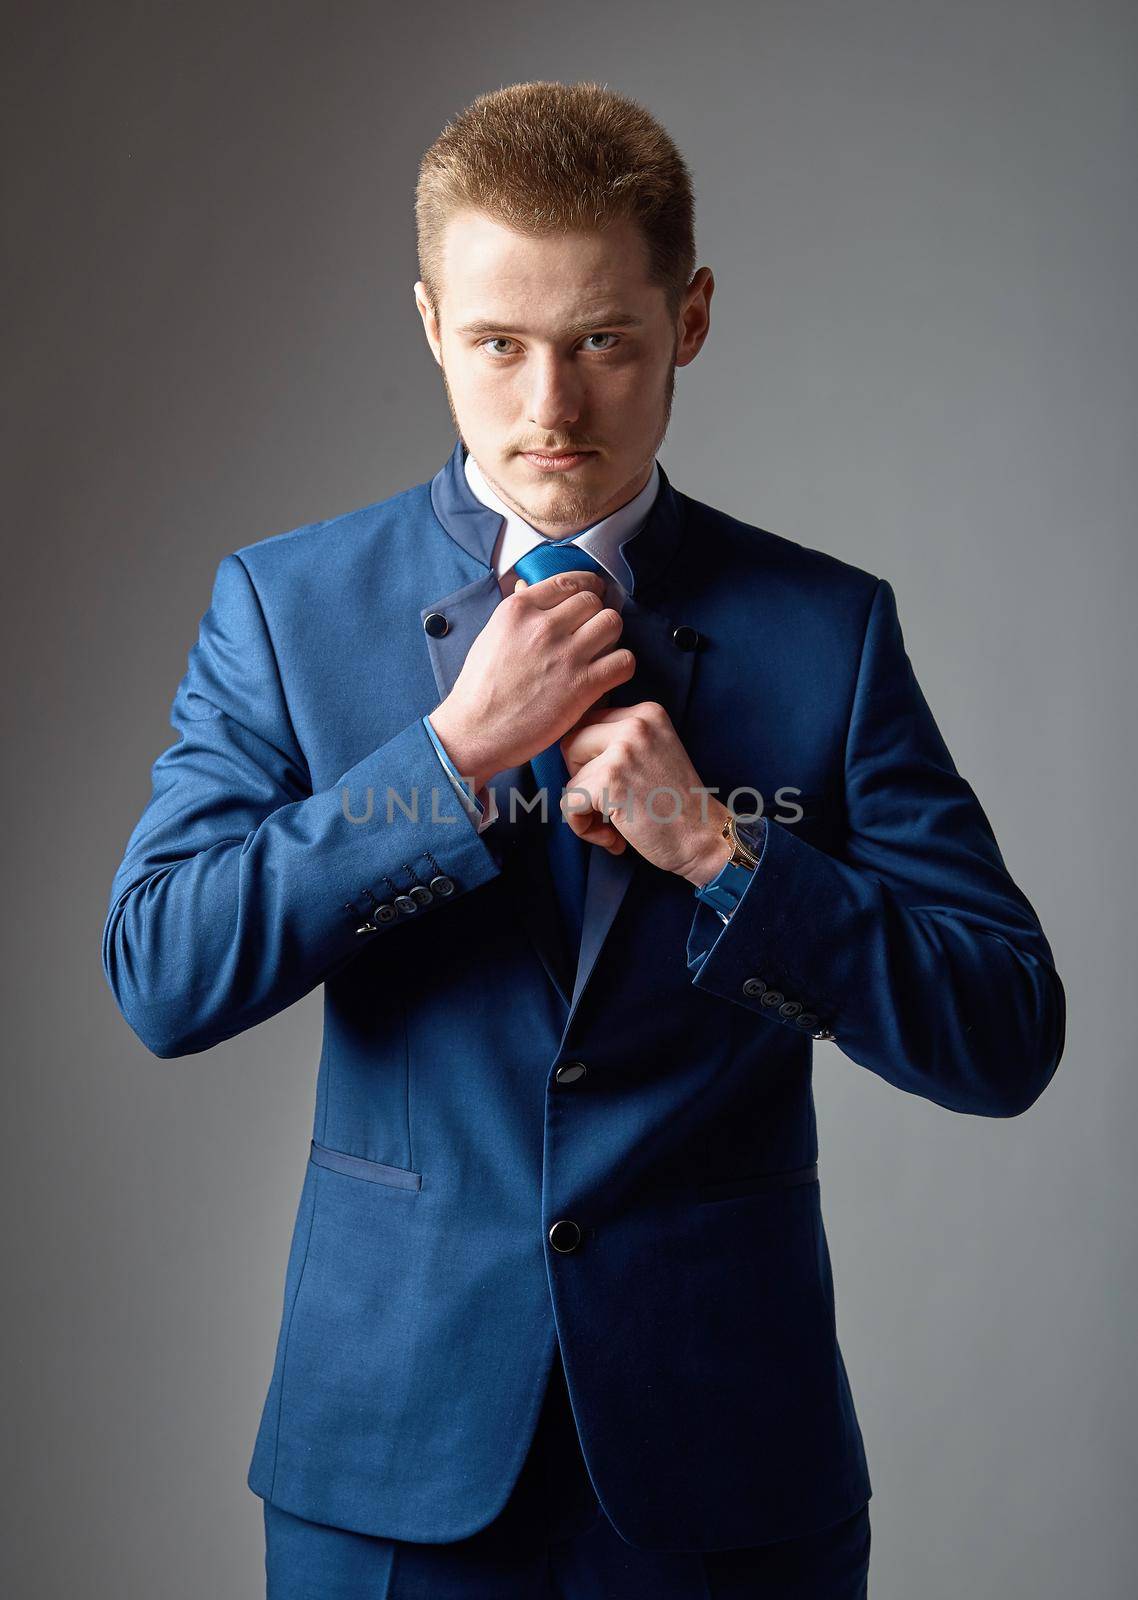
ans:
(558, 1313)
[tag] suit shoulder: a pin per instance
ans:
(331, 540)
(747, 546)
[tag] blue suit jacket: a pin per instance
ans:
(423, 1293)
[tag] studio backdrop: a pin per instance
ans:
(921, 361)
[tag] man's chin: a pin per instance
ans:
(561, 509)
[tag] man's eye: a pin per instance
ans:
(500, 339)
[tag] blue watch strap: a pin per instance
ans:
(725, 890)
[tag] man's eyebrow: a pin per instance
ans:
(608, 319)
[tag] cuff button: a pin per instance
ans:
(753, 987)
(442, 885)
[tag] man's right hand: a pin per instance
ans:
(542, 660)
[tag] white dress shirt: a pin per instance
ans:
(516, 538)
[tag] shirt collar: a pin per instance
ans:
(602, 540)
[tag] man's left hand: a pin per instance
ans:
(642, 791)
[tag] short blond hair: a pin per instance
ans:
(545, 158)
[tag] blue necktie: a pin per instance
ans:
(568, 855)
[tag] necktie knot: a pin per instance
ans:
(546, 559)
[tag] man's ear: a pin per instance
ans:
(429, 319)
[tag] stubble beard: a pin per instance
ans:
(574, 507)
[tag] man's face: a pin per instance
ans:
(554, 344)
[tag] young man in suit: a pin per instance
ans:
(558, 1314)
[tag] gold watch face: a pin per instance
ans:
(742, 852)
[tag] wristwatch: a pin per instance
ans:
(725, 890)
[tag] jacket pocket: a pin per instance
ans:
(359, 1167)
(732, 1188)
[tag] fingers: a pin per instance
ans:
(610, 669)
(598, 631)
(597, 831)
(560, 586)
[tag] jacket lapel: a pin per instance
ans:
(663, 673)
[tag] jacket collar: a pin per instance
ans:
(475, 526)
(602, 540)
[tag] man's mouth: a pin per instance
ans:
(556, 460)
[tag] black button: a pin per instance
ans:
(385, 912)
(421, 894)
(790, 1008)
(806, 1020)
(564, 1236)
(442, 885)
(773, 997)
(685, 638)
(571, 1072)
(435, 624)
(405, 904)
(754, 987)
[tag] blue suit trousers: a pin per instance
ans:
(552, 1541)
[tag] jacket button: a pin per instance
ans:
(754, 987)
(806, 1019)
(385, 912)
(789, 1008)
(565, 1236)
(571, 1072)
(421, 895)
(685, 638)
(435, 624)
(405, 904)
(772, 997)
(442, 885)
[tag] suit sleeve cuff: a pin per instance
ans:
(748, 959)
(477, 810)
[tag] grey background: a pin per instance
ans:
(921, 218)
